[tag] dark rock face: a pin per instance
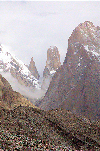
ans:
(32, 68)
(52, 64)
(76, 84)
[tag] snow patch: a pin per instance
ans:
(5, 57)
(86, 35)
(1, 70)
(52, 72)
(75, 53)
(79, 64)
(92, 51)
(52, 47)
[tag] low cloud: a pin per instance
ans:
(28, 92)
(31, 27)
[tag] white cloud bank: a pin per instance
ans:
(25, 91)
(31, 27)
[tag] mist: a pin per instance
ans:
(29, 28)
(27, 92)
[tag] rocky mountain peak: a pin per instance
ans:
(10, 63)
(53, 61)
(53, 58)
(85, 38)
(32, 68)
(32, 59)
(85, 33)
(87, 25)
(76, 84)
(52, 64)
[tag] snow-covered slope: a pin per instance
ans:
(10, 63)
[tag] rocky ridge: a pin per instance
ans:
(76, 84)
(10, 63)
(32, 68)
(10, 99)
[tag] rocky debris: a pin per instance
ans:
(32, 68)
(34, 129)
(52, 64)
(9, 98)
(76, 84)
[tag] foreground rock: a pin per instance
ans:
(27, 128)
(9, 98)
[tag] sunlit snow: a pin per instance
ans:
(10, 61)
(92, 51)
(52, 72)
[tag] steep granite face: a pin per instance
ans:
(9, 98)
(53, 61)
(32, 68)
(53, 58)
(52, 64)
(76, 84)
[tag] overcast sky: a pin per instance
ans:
(29, 28)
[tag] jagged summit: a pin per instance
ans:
(76, 84)
(10, 63)
(32, 68)
(85, 37)
(52, 47)
(86, 34)
(52, 64)
(53, 61)
(86, 24)
(53, 58)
